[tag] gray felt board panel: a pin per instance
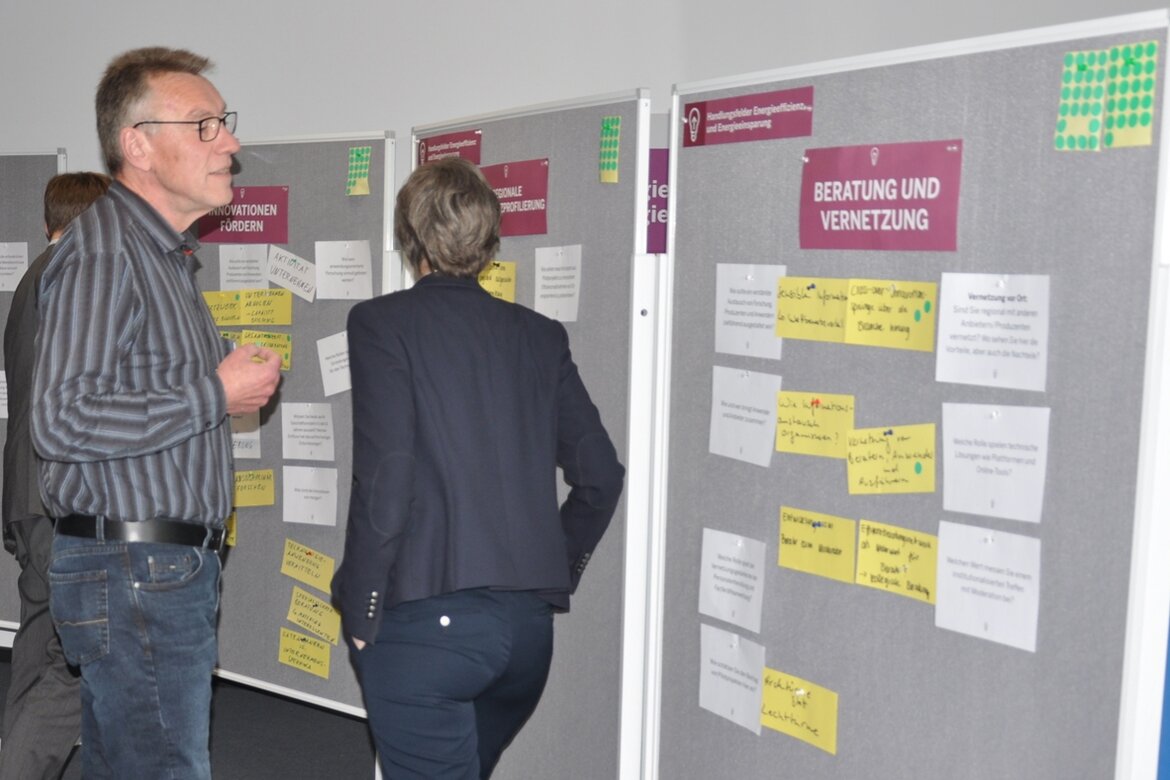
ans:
(917, 701)
(574, 732)
(256, 596)
(22, 188)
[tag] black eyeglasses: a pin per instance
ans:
(208, 128)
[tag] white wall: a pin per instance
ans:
(299, 68)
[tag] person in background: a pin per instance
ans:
(132, 392)
(456, 551)
(42, 712)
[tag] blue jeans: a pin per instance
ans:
(450, 680)
(139, 620)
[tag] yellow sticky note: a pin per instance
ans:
(891, 460)
(314, 615)
(813, 309)
(898, 315)
(306, 653)
(897, 560)
(813, 423)
(307, 565)
(224, 306)
(230, 335)
(230, 528)
(255, 488)
(817, 544)
(800, 709)
(280, 343)
(499, 279)
(265, 307)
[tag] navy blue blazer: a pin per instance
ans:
(463, 407)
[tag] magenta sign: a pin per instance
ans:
(256, 215)
(659, 192)
(465, 144)
(784, 114)
(522, 188)
(885, 196)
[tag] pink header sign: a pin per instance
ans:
(256, 215)
(522, 188)
(887, 196)
(784, 114)
(659, 192)
(465, 144)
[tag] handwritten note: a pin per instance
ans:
(265, 307)
(246, 436)
(897, 560)
(314, 614)
(813, 423)
(898, 315)
(306, 653)
(280, 343)
(292, 272)
(891, 460)
(800, 709)
(812, 309)
(224, 306)
(818, 544)
(255, 488)
(307, 565)
(499, 279)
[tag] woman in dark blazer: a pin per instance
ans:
(457, 552)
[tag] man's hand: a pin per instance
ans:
(249, 375)
(358, 643)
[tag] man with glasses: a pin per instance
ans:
(132, 392)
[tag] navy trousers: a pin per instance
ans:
(451, 679)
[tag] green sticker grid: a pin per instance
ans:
(1129, 103)
(359, 167)
(1107, 98)
(607, 158)
(1082, 101)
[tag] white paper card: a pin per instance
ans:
(745, 309)
(988, 584)
(292, 273)
(243, 266)
(13, 263)
(993, 330)
(3, 395)
(558, 281)
(731, 677)
(246, 436)
(307, 431)
(743, 414)
(344, 271)
(333, 355)
(994, 460)
(310, 495)
(731, 579)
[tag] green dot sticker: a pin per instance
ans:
(918, 467)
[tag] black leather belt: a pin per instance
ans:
(165, 531)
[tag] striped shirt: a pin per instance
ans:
(128, 416)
